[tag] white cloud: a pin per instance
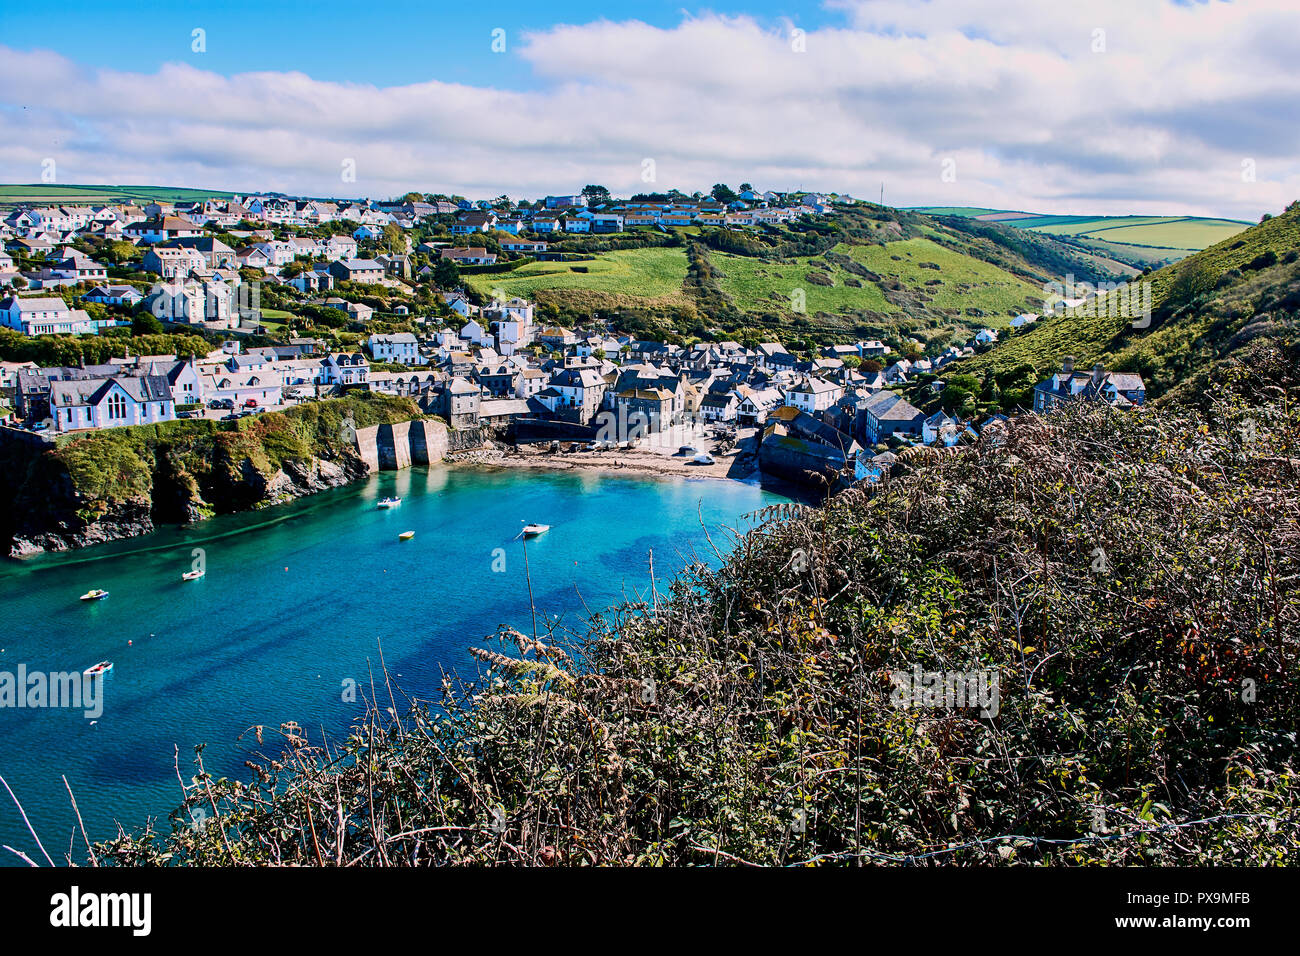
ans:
(1014, 93)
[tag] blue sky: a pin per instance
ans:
(1100, 106)
(388, 43)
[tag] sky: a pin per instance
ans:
(1087, 107)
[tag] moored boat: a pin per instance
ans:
(94, 594)
(98, 670)
(192, 575)
(406, 535)
(389, 502)
(533, 530)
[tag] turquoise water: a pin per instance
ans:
(296, 601)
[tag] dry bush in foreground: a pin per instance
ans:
(1128, 577)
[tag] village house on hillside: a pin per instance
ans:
(1121, 389)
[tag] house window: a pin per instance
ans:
(116, 407)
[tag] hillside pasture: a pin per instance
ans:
(12, 195)
(653, 273)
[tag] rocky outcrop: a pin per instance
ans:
(80, 529)
(70, 521)
(61, 518)
(120, 483)
(298, 479)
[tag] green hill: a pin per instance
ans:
(1138, 241)
(863, 271)
(1205, 307)
(39, 193)
(654, 273)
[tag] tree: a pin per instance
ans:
(445, 273)
(954, 397)
(723, 193)
(746, 187)
(146, 324)
(595, 195)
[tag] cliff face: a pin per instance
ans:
(70, 518)
(120, 484)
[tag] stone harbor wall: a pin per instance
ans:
(401, 445)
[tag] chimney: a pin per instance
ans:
(1098, 373)
(1067, 365)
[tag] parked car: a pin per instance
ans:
(250, 403)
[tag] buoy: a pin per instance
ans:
(129, 643)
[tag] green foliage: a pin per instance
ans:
(49, 350)
(121, 464)
(1124, 576)
(1205, 308)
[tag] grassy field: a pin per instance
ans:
(964, 284)
(1162, 232)
(1201, 304)
(756, 285)
(73, 194)
(961, 287)
(655, 273)
(1174, 235)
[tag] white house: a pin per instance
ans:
(476, 334)
(262, 388)
(44, 316)
(755, 403)
(110, 402)
(113, 295)
(399, 347)
(173, 262)
(345, 368)
(811, 394)
(193, 303)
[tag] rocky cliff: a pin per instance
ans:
(125, 482)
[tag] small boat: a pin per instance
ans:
(389, 502)
(94, 594)
(703, 458)
(533, 530)
(406, 535)
(192, 575)
(99, 670)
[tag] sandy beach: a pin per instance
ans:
(656, 456)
